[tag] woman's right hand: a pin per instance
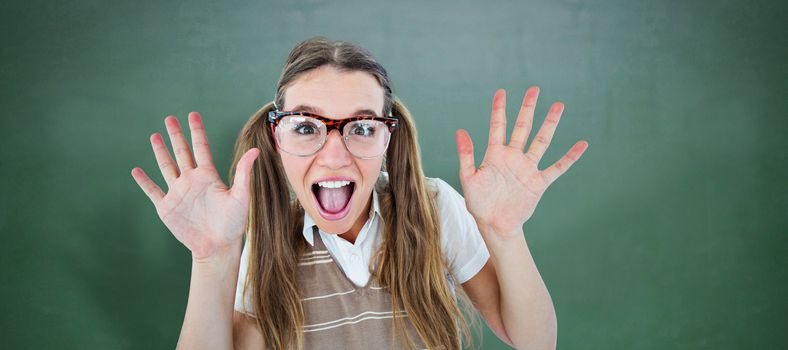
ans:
(199, 209)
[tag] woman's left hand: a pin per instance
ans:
(503, 192)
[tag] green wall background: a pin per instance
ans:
(670, 232)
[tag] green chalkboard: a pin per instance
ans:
(669, 233)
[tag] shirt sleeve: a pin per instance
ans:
(462, 243)
(243, 304)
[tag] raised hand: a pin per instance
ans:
(503, 192)
(199, 209)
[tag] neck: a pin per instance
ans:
(350, 236)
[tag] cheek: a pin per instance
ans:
(370, 170)
(295, 170)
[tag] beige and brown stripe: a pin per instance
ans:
(340, 315)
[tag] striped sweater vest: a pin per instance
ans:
(340, 315)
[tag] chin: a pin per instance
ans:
(334, 227)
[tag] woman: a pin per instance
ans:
(306, 195)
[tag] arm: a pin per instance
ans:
(501, 195)
(209, 219)
(208, 323)
(246, 334)
(511, 296)
(484, 292)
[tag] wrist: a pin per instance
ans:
(219, 254)
(500, 232)
(502, 239)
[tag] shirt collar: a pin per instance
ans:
(374, 209)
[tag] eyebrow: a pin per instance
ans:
(308, 108)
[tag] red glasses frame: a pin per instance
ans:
(274, 117)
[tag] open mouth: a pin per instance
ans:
(333, 198)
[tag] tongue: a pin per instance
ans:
(334, 199)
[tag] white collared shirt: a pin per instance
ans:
(461, 242)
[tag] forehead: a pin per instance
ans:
(330, 91)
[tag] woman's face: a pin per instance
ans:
(337, 95)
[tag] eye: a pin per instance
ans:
(363, 129)
(305, 128)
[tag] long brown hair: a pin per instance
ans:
(409, 263)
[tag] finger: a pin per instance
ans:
(149, 187)
(498, 118)
(168, 167)
(562, 165)
(465, 153)
(202, 151)
(242, 176)
(525, 118)
(546, 131)
(183, 155)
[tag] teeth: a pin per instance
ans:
(333, 184)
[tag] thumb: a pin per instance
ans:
(243, 174)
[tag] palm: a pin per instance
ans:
(507, 185)
(503, 192)
(199, 209)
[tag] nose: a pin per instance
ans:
(334, 154)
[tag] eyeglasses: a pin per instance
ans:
(304, 133)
